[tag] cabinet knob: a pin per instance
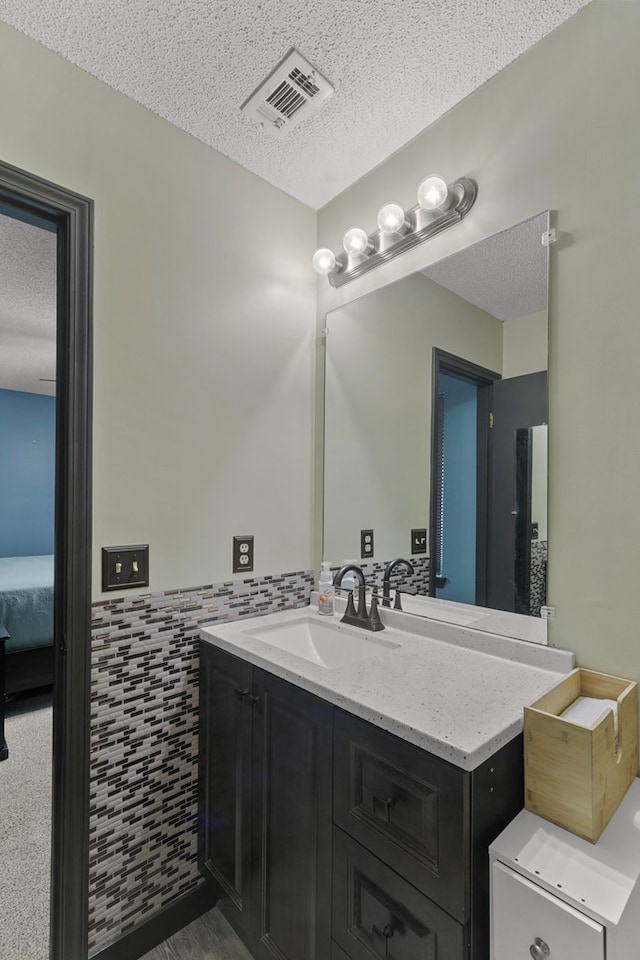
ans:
(254, 699)
(539, 950)
(386, 933)
(242, 693)
(382, 808)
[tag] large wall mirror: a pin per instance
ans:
(436, 431)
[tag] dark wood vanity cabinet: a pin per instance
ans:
(377, 914)
(265, 807)
(224, 846)
(327, 837)
(411, 839)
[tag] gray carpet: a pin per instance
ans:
(25, 830)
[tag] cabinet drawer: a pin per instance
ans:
(409, 808)
(377, 914)
(522, 913)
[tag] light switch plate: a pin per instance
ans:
(125, 567)
(418, 541)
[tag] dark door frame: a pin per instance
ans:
(73, 217)
(443, 362)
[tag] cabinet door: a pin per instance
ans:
(524, 915)
(379, 916)
(225, 779)
(291, 821)
(408, 807)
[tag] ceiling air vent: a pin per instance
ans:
(291, 93)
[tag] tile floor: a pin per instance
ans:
(208, 938)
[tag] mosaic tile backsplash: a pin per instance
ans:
(416, 582)
(144, 742)
(538, 574)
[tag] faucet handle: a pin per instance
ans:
(375, 623)
(350, 610)
(397, 605)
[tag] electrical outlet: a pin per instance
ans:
(125, 567)
(419, 541)
(366, 544)
(242, 554)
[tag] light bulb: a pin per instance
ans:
(325, 261)
(391, 218)
(356, 241)
(432, 193)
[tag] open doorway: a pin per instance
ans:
(28, 317)
(60, 425)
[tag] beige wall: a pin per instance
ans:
(204, 326)
(525, 343)
(557, 130)
(378, 408)
(196, 296)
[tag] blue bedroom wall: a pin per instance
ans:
(27, 473)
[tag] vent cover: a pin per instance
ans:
(291, 93)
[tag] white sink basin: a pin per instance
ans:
(329, 644)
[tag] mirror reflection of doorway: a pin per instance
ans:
(488, 496)
(457, 541)
(460, 405)
(518, 404)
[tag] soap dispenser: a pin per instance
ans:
(326, 590)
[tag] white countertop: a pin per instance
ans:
(515, 625)
(457, 693)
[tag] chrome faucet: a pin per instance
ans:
(386, 581)
(359, 618)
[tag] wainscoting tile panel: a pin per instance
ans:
(417, 582)
(538, 573)
(144, 742)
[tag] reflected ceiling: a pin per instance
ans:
(506, 274)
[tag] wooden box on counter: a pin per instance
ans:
(576, 776)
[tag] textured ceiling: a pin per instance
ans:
(27, 307)
(396, 67)
(506, 274)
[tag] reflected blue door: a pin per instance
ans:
(459, 488)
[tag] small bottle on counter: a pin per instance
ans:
(326, 590)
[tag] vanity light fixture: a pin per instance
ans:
(439, 206)
(391, 219)
(356, 243)
(325, 262)
(433, 192)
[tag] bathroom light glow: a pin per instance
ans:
(432, 192)
(325, 261)
(356, 241)
(391, 219)
(441, 206)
